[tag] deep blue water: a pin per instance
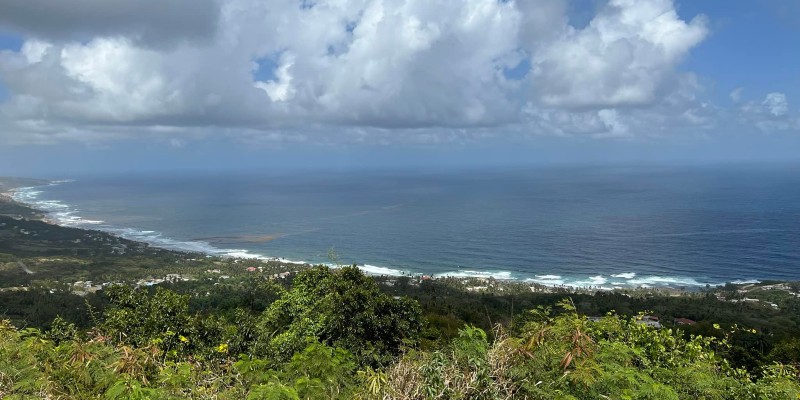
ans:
(578, 226)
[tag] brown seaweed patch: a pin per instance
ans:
(240, 238)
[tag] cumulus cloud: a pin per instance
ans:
(683, 110)
(354, 65)
(776, 104)
(400, 64)
(625, 56)
(770, 114)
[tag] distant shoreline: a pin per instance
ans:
(11, 195)
(11, 208)
(471, 283)
(10, 186)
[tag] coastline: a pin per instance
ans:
(15, 192)
(8, 186)
(19, 196)
(10, 206)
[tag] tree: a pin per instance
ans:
(340, 308)
(568, 357)
(140, 319)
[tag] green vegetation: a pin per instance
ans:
(344, 309)
(11, 208)
(151, 347)
(568, 357)
(87, 315)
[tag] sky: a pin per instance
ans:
(149, 85)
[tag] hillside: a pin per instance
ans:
(86, 314)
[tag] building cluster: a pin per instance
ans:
(654, 321)
(746, 300)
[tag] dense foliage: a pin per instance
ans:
(88, 315)
(568, 357)
(553, 357)
(344, 309)
(334, 335)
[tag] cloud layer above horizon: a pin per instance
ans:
(359, 70)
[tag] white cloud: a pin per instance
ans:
(736, 95)
(120, 82)
(625, 56)
(280, 89)
(682, 111)
(612, 123)
(776, 104)
(176, 143)
(406, 66)
(34, 51)
(771, 114)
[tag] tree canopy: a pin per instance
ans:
(341, 308)
(332, 334)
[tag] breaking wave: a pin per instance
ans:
(501, 275)
(68, 215)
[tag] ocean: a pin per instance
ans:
(584, 226)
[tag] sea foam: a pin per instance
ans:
(376, 270)
(501, 275)
(67, 215)
(746, 282)
(61, 213)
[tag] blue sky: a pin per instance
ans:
(125, 86)
(753, 45)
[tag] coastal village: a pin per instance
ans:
(85, 262)
(48, 272)
(80, 243)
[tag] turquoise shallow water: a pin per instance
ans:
(575, 226)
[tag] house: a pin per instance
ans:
(683, 321)
(252, 269)
(650, 320)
